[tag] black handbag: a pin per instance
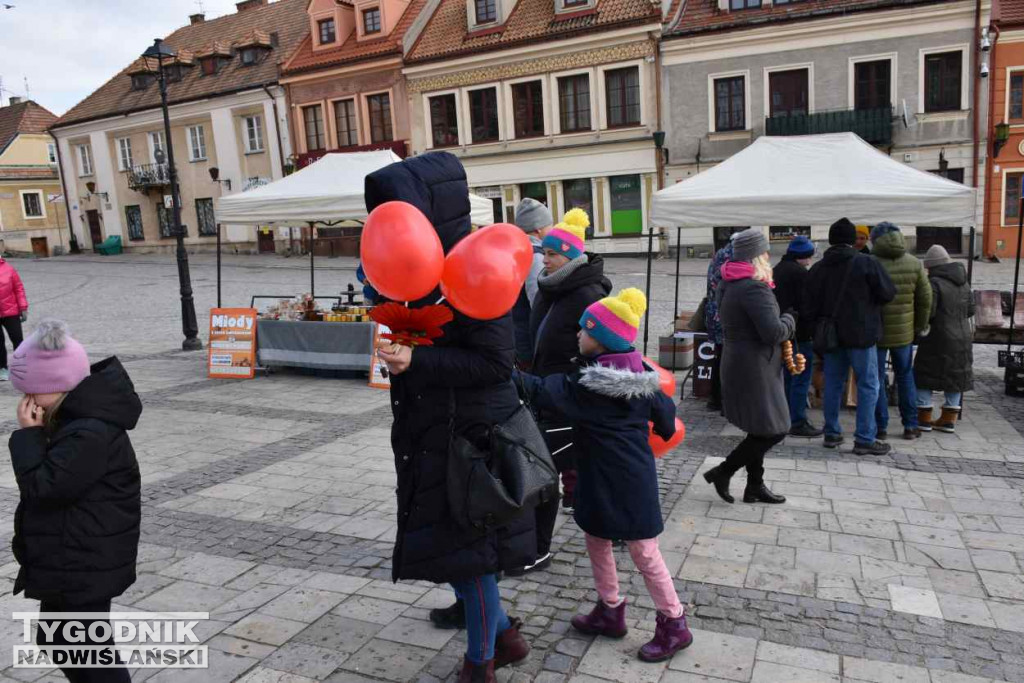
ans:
(488, 488)
(826, 332)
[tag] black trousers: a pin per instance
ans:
(750, 454)
(558, 436)
(110, 675)
(13, 326)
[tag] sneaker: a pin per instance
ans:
(541, 563)
(806, 431)
(833, 440)
(876, 448)
(5, 375)
(882, 435)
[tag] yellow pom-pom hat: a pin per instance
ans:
(613, 322)
(568, 237)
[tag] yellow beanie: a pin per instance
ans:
(569, 237)
(615, 320)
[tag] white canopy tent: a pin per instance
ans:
(813, 180)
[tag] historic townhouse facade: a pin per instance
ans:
(551, 99)
(32, 213)
(901, 74)
(228, 119)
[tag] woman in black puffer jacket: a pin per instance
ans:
(471, 364)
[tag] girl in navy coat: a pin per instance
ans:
(609, 401)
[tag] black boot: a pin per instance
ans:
(718, 478)
(761, 494)
(451, 617)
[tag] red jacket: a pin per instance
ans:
(12, 292)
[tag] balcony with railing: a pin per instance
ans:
(148, 176)
(396, 146)
(873, 125)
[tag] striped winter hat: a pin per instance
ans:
(568, 237)
(613, 322)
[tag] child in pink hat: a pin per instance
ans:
(76, 530)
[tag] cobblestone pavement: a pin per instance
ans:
(270, 505)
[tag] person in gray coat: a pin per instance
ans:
(535, 220)
(754, 396)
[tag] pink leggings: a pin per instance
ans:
(647, 558)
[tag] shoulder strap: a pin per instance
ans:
(842, 287)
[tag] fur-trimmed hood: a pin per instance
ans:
(616, 383)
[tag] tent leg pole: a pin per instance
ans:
(647, 314)
(1016, 277)
(218, 264)
(675, 305)
(312, 280)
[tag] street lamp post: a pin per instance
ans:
(189, 325)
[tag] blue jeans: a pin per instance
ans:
(485, 617)
(865, 368)
(903, 366)
(924, 398)
(797, 386)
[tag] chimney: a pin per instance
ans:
(249, 4)
(13, 99)
(194, 19)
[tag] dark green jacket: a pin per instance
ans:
(907, 314)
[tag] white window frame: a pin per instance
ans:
(556, 101)
(459, 118)
(747, 117)
(196, 134)
(42, 204)
(510, 111)
(965, 80)
(1, 220)
(356, 110)
(768, 70)
(1002, 194)
(156, 140)
(499, 95)
(51, 152)
(851, 76)
(85, 168)
(602, 95)
(124, 153)
(1010, 70)
(253, 122)
(364, 111)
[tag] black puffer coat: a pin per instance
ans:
(471, 363)
(555, 319)
(945, 356)
(790, 285)
(859, 319)
(76, 529)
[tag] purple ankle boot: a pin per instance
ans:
(603, 621)
(670, 636)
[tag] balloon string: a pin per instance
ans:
(439, 301)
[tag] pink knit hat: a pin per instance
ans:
(50, 361)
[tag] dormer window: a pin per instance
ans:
(327, 32)
(486, 11)
(575, 4)
(209, 65)
(371, 21)
(250, 56)
(141, 81)
(173, 73)
(735, 5)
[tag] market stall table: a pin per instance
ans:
(314, 345)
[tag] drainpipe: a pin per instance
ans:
(657, 105)
(72, 242)
(976, 100)
(988, 244)
(277, 127)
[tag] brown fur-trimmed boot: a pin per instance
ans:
(924, 419)
(947, 421)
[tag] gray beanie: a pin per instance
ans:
(531, 216)
(749, 244)
(936, 256)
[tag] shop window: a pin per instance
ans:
(326, 28)
(574, 103)
(872, 84)
(133, 217)
(1017, 96)
(371, 20)
(784, 233)
(721, 234)
(943, 73)
(627, 204)
(204, 216)
(954, 174)
(538, 191)
(730, 104)
(380, 117)
(444, 121)
(528, 109)
(486, 11)
(1011, 197)
(313, 120)
(483, 114)
(950, 238)
(788, 92)
(577, 194)
(345, 123)
(622, 90)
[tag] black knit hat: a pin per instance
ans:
(842, 232)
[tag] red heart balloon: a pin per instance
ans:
(659, 446)
(401, 252)
(666, 379)
(484, 273)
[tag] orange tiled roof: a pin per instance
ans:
(703, 16)
(1008, 12)
(447, 33)
(350, 50)
(24, 117)
(287, 18)
(28, 173)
